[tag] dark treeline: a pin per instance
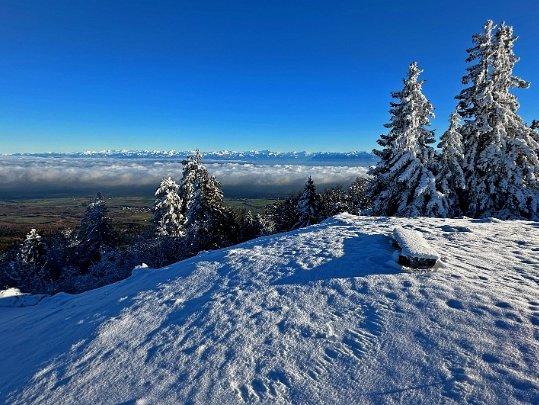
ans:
(189, 217)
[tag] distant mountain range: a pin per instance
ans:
(260, 157)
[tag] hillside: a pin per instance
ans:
(319, 315)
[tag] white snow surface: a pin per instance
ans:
(13, 297)
(413, 244)
(319, 315)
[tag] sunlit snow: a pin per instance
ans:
(320, 315)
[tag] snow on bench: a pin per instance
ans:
(415, 250)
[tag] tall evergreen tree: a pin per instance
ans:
(30, 270)
(450, 176)
(209, 225)
(500, 152)
(95, 233)
(309, 207)
(403, 181)
(167, 208)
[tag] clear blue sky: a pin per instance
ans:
(281, 75)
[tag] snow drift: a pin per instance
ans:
(318, 315)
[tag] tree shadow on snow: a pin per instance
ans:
(363, 255)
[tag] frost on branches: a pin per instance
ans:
(167, 208)
(450, 175)
(404, 184)
(500, 151)
(309, 207)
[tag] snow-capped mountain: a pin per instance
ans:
(318, 315)
(263, 157)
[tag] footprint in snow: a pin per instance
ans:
(270, 387)
(456, 304)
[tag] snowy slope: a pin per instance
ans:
(319, 315)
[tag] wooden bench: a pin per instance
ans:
(415, 250)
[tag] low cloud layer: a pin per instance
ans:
(25, 176)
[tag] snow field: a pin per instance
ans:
(318, 315)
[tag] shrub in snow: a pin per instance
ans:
(500, 152)
(309, 207)
(403, 181)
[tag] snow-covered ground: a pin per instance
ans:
(319, 315)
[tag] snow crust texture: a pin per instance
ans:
(319, 315)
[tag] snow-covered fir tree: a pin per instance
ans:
(500, 151)
(403, 181)
(309, 207)
(208, 224)
(168, 218)
(450, 174)
(95, 233)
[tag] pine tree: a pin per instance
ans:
(167, 208)
(309, 207)
(500, 152)
(450, 176)
(403, 181)
(95, 233)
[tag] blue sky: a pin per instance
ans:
(280, 75)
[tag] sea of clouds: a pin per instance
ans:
(22, 176)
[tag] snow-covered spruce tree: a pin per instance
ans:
(208, 224)
(500, 151)
(95, 233)
(403, 181)
(450, 175)
(309, 207)
(168, 218)
(30, 270)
